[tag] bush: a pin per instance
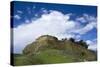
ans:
(84, 44)
(72, 39)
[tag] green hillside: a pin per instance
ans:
(49, 50)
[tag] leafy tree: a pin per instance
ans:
(72, 39)
(82, 43)
(64, 39)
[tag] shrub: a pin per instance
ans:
(84, 44)
(72, 39)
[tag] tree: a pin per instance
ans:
(65, 39)
(72, 39)
(82, 43)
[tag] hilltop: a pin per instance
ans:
(48, 49)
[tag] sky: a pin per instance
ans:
(29, 20)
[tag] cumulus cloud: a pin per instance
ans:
(91, 22)
(44, 10)
(81, 19)
(54, 23)
(28, 10)
(27, 21)
(20, 12)
(17, 17)
(92, 44)
(87, 28)
(85, 18)
(34, 7)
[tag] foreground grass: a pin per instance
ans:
(50, 56)
(49, 50)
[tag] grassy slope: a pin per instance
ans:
(49, 56)
(50, 51)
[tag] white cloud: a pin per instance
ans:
(34, 7)
(89, 42)
(20, 12)
(93, 47)
(91, 22)
(85, 18)
(44, 10)
(87, 28)
(92, 44)
(81, 19)
(17, 17)
(27, 21)
(28, 10)
(55, 23)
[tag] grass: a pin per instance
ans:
(52, 56)
(20, 60)
(49, 56)
(49, 50)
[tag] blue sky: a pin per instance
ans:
(32, 19)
